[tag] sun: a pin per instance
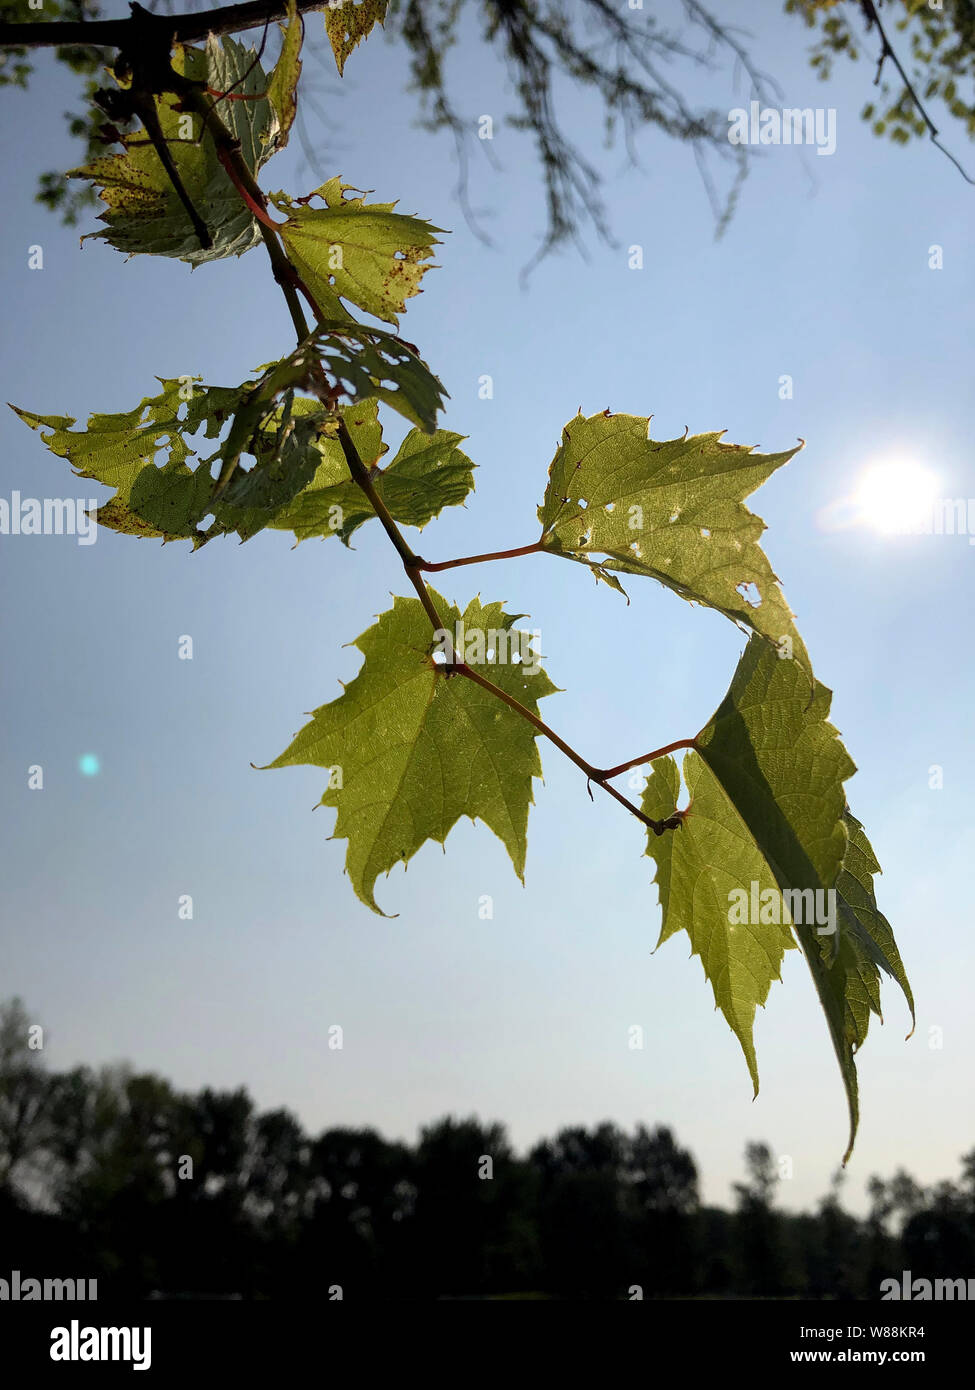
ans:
(896, 496)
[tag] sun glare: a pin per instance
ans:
(896, 497)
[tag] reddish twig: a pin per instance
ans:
(649, 757)
(482, 559)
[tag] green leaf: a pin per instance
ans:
(348, 23)
(863, 947)
(361, 252)
(672, 510)
(428, 473)
(144, 214)
(767, 808)
(119, 450)
(232, 68)
(287, 457)
(283, 86)
(169, 501)
(411, 749)
(323, 505)
(698, 866)
(366, 362)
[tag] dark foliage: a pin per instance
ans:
(116, 1176)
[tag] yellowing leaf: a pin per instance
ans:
(282, 88)
(361, 252)
(348, 24)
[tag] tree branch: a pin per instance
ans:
(360, 476)
(116, 33)
(887, 51)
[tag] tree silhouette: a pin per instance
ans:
(115, 1175)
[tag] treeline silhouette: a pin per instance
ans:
(119, 1177)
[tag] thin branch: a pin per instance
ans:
(721, 34)
(887, 51)
(532, 549)
(648, 757)
(461, 668)
(360, 476)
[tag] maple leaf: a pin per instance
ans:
(410, 749)
(617, 500)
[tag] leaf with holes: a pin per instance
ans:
(119, 450)
(286, 458)
(364, 362)
(766, 848)
(348, 23)
(352, 250)
(169, 500)
(411, 749)
(672, 510)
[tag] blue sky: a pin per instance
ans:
(823, 275)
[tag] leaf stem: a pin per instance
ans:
(532, 549)
(233, 172)
(592, 774)
(649, 757)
